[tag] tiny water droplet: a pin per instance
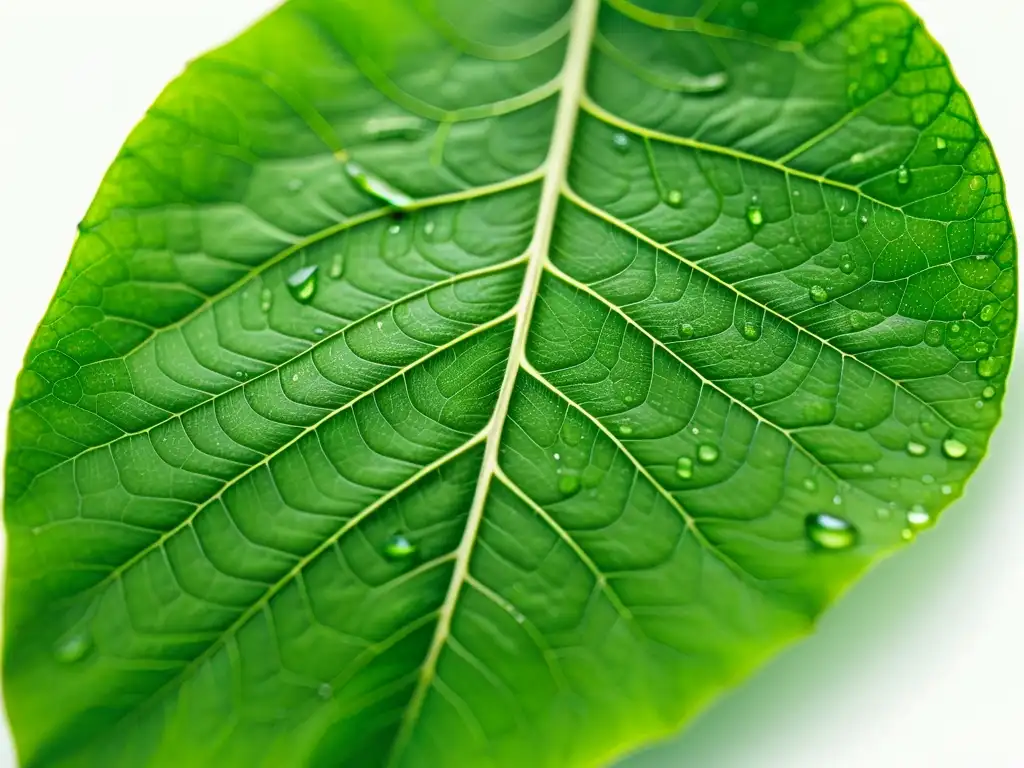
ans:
(858, 157)
(830, 532)
(988, 312)
(302, 283)
(73, 648)
(626, 430)
(684, 467)
(881, 56)
(318, 331)
(933, 335)
(568, 484)
(809, 484)
(708, 453)
(940, 144)
(428, 228)
(394, 229)
(846, 267)
(989, 367)
(621, 142)
(241, 375)
(918, 517)
(571, 433)
(818, 294)
(399, 547)
(916, 449)
(883, 513)
(751, 331)
(674, 198)
(981, 348)
(864, 219)
(755, 216)
(868, 469)
(337, 266)
(295, 185)
(947, 490)
(557, 457)
(325, 691)
(903, 176)
(686, 331)
(927, 479)
(266, 300)
(988, 393)
(953, 448)
(695, 430)
(955, 329)
(837, 500)
(295, 377)
(977, 183)
(906, 534)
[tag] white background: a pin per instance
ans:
(921, 666)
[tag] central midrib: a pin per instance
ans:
(584, 21)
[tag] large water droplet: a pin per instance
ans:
(989, 367)
(830, 532)
(988, 392)
(818, 294)
(302, 283)
(903, 176)
(399, 547)
(73, 648)
(751, 331)
(684, 467)
(708, 453)
(621, 142)
(376, 186)
(953, 448)
(755, 215)
(916, 449)
(674, 198)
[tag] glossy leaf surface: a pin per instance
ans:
(490, 384)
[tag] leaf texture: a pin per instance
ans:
(458, 383)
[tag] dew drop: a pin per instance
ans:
(376, 186)
(568, 484)
(708, 453)
(933, 335)
(571, 433)
(881, 56)
(846, 267)
(625, 430)
(883, 513)
(73, 648)
(295, 185)
(325, 691)
(955, 329)
(947, 490)
(868, 469)
(858, 157)
(428, 228)
(988, 393)
(394, 229)
(809, 484)
(684, 467)
(918, 517)
(266, 300)
(903, 176)
(837, 500)
(337, 266)
(981, 348)
(621, 142)
(927, 479)
(988, 312)
(751, 331)
(953, 448)
(818, 294)
(977, 183)
(674, 198)
(830, 532)
(989, 367)
(399, 547)
(940, 144)
(755, 216)
(864, 219)
(916, 449)
(302, 283)
(686, 331)
(241, 375)
(318, 331)
(295, 377)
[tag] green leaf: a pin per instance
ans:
(459, 383)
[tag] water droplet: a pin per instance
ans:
(621, 142)
(295, 185)
(903, 176)
(818, 294)
(755, 216)
(403, 127)
(927, 479)
(988, 312)
(568, 484)
(918, 517)
(846, 267)
(955, 329)
(318, 331)
(337, 265)
(916, 449)
(302, 283)
(376, 186)
(749, 9)
(295, 377)
(686, 331)
(883, 513)
(858, 157)
(940, 144)
(394, 229)
(674, 198)
(708, 453)
(241, 375)
(977, 183)
(325, 691)
(864, 219)
(751, 331)
(953, 448)
(684, 467)
(881, 56)
(399, 547)
(428, 228)
(571, 433)
(73, 648)
(830, 532)
(947, 490)
(626, 430)
(837, 500)
(809, 484)
(266, 300)
(989, 367)
(933, 335)
(981, 348)
(557, 457)
(988, 393)
(868, 469)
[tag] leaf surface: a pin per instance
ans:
(458, 383)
